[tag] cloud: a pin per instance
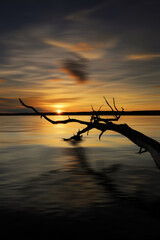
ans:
(81, 16)
(158, 86)
(2, 80)
(8, 103)
(85, 15)
(90, 51)
(54, 79)
(142, 57)
(61, 100)
(76, 67)
(81, 46)
(11, 104)
(59, 44)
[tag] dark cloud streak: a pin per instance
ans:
(76, 67)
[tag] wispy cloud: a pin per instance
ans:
(158, 86)
(84, 15)
(8, 103)
(86, 50)
(142, 57)
(61, 100)
(81, 16)
(2, 80)
(54, 79)
(81, 46)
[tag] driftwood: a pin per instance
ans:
(104, 124)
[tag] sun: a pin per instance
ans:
(58, 111)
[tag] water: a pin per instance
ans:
(43, 176)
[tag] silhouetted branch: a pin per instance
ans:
(27, 106)
(101, 134)
(115, 105)
(101, 124)
(50, 120)
(108, 104)
(116, 113)
(141, 151)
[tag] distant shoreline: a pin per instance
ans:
(105, 113)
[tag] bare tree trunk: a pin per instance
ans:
(141, 140)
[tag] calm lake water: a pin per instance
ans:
(44, 176)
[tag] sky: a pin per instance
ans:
(67, 55)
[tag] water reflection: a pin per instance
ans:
(69, 184)
(119, 182)
(103, 180)
(72, 180)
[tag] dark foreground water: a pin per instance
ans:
(48, 187)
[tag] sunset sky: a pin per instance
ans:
(67, 55)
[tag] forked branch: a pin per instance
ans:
(102, 124)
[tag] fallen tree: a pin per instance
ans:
(145, 143)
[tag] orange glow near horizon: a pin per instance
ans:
(70, 96)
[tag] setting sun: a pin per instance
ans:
(58, 111)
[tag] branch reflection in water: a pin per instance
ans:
(109, 179)
(102, 178)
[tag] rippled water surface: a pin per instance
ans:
(40, 173)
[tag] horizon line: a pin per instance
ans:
(87, 113)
